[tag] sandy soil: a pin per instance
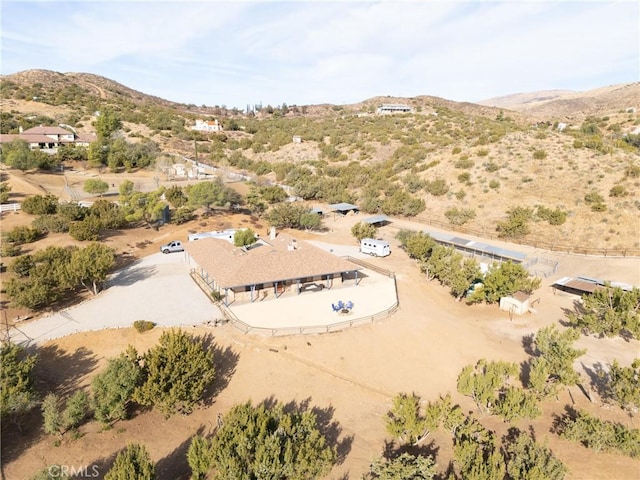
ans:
(352, 375)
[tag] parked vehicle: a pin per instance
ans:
(171, 247)
(376, 248)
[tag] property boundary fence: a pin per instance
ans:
(535, 243)
(9, 207)
(307, 329)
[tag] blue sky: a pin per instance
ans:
(238, 53)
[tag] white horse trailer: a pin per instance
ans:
(376, 248)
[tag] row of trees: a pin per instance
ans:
(44, 277)
(460, 273)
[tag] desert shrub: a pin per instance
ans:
(40, 205)
(459, 216)
(483, 152)
(437, 187)
(516, 225)
(10, 250)
(464, 177)
(554, 217)
(632, 171)
(494, 184)
(142, 326)
(492, 167)
(362, 230)
(456, 150)
(217, 296)
(87, 229)
(21, 234)
(51, 223)
(617, 191)
(463, 163)
(593, 197)
(539, 154)
(599, 207)
(460, 194)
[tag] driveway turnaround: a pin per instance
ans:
(157, 288)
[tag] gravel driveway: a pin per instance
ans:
(157, 288)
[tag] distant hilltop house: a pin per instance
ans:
(393, 108)
(207, 126)
(49, 139)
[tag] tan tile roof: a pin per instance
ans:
(42, 130)
(234, 267)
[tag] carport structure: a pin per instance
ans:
(270, 267)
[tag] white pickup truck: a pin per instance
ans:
(171, 247)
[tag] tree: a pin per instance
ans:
(609, 311)
(107, 124)
(528, 460)
(5, 190)
(175, 196)
(205, 194)
(484, 381)
(404, 421)
(514, 403)
(555, 355)
(110, 214)
(310, 221)
(85, 230)
(17, 154)
(95, 186)
(244, 237)
(273, 194)
(17, 392)
(504, 279)
(133, 462)
(290, 215)
(475, 452)
(403, 467)
(200, 457)
(362, 230)
(418, 245)
(517, 223)
(623, 385)
(89, 266)
(266, 442)
(113, 388)
(145, 207)
(57, 420)
(176, 373)
(40, 204)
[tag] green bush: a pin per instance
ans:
(21, 234)
(492, 167)
(437, 187)
(483, 152)
(10, 250)
(459, 216)
(87, 229)
(464, 177)
(617, 191)
(539, 154)
(142, 326)
(51, 223)
(463, 163)
(494, 184)
(40, 205)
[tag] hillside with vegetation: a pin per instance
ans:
(565, 176)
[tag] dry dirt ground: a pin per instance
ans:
(350, 375)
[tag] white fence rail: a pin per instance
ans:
(9, 207)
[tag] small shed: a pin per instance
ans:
(518, 303)
(344, 208)
(377, 220)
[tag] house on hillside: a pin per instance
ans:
(393, 108)
(48, 138)
(207, 126)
